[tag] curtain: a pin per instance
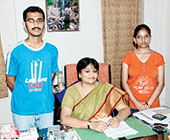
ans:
(119, 19)
(3, 86)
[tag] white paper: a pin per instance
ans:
(122, 130)
(146, 115)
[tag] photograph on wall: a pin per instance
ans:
(62, 15)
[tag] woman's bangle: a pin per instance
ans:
(148, 105)
(88, 124)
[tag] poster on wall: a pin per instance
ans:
(62, 15)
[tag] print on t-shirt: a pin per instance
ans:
(143, 85)
(35, 81)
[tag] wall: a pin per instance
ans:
(156, 15)
(8, 36)
(87, 42)
(72, 45)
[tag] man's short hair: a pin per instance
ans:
(33, 9)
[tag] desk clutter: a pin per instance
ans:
(157, 118)
(55, 132)
(8, 132)
(58, 82)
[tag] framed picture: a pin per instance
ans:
(63, 15)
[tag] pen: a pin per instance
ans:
(162, 124)
(147, 123)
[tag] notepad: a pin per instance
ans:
(122, 130)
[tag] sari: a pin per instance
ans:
(97, 104)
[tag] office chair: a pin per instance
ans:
(70, 73)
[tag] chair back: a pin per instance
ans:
(70, 73)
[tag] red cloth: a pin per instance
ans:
(143, 76)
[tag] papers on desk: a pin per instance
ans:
(146, 115)
(123, 130)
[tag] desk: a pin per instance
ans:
(144, 131)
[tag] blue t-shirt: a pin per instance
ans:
(33, 70)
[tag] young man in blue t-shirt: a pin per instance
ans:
(30, 66)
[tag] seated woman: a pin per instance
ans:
(90, 100)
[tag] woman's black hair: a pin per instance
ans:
(84, 62)
(138, 28)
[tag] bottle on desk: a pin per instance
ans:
(50, 135)
(169, 137)
(58, 82)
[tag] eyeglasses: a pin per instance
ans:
(31, 20)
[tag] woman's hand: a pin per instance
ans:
(99, 126)
(113, 122)
(141, 106)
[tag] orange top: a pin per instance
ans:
(143, 76)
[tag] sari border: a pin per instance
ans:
(115, 105)
(118, 102)
(81, 100)
(103, 103)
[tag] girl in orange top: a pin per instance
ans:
(143, 72)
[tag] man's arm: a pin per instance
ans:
(10, 82)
